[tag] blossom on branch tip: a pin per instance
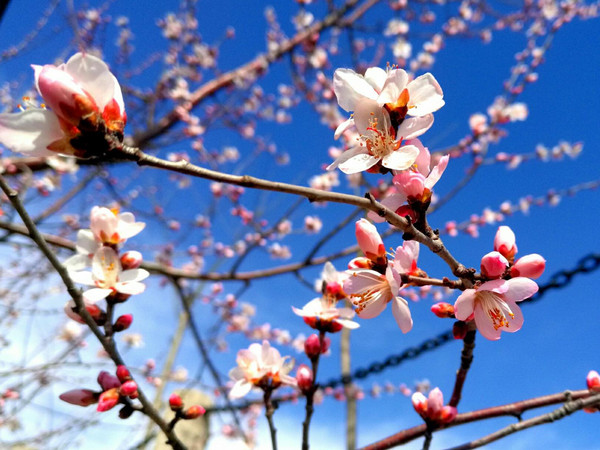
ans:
(432, 408)
(110, 227)
(260, 366)
(593, 381)
(370, 244)
(493, 305)
(85, 100)
(505, 243)
(322, 314)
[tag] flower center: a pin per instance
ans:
(497, 309)
(380, 143)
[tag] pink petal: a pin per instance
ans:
(424, 159)
(519, 289)
(350, 87)
(392, 202)
(413, 127)
(436, 172)
(30, 131)
(463, 307)
(435, 402)
(515, 323)
(485, 324)
(497, 286)
(366, 113)
(401, 313)
(426, 95)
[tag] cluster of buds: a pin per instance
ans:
(119, 389)
(176, 405)
(86, 115)
(114, 277)
(432, 408)
(492, 302)
(373, 281)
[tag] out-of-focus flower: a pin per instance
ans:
(443, 310)
(109, 227)
(260, 366)
(593, 381)
(493, 305)
(84, 97)
(304, 378)
(432, 408)
(322, 314)
(80, 397)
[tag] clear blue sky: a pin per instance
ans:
(558, 343)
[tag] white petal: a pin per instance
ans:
(350, 87)
(130, 288)
(366, 113)
(133, 275)
(401, 159)
(413, 127)
(86, 244)
(394, 85)
(239, 389)
(402, 314)
(348, 324)
(93, 75)
(77, 262)
(96, 294)
(358, 163)
(426, 95)
(376, 77)
(30, 131)
(343, 127)
(348, 155)
(83, 277)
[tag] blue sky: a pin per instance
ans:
(557, 345)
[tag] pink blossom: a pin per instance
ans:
(493, 305)
(493, 265)
(321, 314)
(432, 408)
(530, 266)
(505, 242)
(260, 366)
(370, 242)
(110, 227)
(80, 92)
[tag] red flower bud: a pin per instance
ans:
(312, 346)
(131, 260)
(443, 310)
(123, 374)
(593, 381)
(79, 397)
(128, 389)
(493, 265)
(123, 322)
(108, 399)
(175, 402)
(304, 377)
(194, 411)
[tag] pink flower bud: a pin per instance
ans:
(312, 346)
(175, 402)
(131, 260)
(304, 377)
(443, 310)
(419, 402)
(79, 397)
(194, 411)
(67, 99)
(530, 266)
(108, 381)
(493, 265)
(108, 399)
(447, 414)
(505, 243)
(326, 345)
(123, 374)
(593, 381)
(370, 242)
(123, 322)
(128, 389)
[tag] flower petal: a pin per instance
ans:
(413, 127)
(350, 88)
(342, 127)
(393, 87)
(485, 324)
(376, 77)
(30, 131)
(357, 162)
(463, 307)
(426, 95)
(240, 389)
(436, 172)
(402, 314)
(520, 288)
(393, 202)
(401, 159)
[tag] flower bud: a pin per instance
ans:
(79, 397)
(443, 310)
(419, 402)
(175, 402)
(593, 381)
(123, 322)
(370, 242)
(108, 399)
(530, 266)
(360, 262)
(194, 411)
(125, 412)
(493, 265)
(312, 346)
(108, 381)
(459, 330)
(131, 260)
(123, 374)
(304, 377)
(410, 183)
(505, 243)
(128, 389)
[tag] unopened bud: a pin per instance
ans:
(108, 399)
(79, 397)
(593, 381)
(530, 266)
(194, 411)
(459, 330)
(123, 322)
(505, 243)
(175, 402)
(125, 412)
(443, 310)
(129, 389)
(131, 260)
(312, 346)
(108, 381)
(304, 377)
(493, 265)
(123, 374)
